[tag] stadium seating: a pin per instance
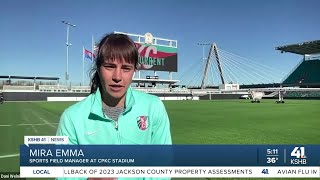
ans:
(17, 88)
(306, 94)
(308, 72)
(53, 88)
(80, 88)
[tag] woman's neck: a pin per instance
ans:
(113, 102)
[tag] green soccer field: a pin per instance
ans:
(192, 122)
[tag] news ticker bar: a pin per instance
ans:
(169, 155)
(174, 172)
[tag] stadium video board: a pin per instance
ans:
(157, 58)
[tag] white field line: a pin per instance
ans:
(25, 124)
(26, 119)
(42, 119)
(48, 123)
(39, 124)
(9, 155)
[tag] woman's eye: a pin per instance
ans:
(108, 67)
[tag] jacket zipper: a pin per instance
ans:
(115, 124)
(116, 127)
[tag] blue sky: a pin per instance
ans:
(32, 37)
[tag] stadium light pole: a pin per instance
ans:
(68, 44)
(203, 58)
(203, 44)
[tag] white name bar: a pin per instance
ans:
(175, 172)
(45, 140)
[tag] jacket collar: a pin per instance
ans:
(96, 107)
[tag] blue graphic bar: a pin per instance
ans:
(166, 155)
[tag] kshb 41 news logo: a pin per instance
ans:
(299, 154)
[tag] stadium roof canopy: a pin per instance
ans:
(310, 47)
(29, 77)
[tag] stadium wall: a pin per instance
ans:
(38, 96)
(175, 96)
(55, 96)
(220, 96)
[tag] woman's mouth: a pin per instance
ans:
(116, 87)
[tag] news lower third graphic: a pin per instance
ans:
(51, 156)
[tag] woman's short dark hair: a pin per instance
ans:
(113, 47)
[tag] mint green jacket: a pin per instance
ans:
(144, 121)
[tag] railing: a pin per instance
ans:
(163, 90)
(53, 88)
(80, 87)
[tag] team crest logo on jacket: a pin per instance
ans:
(142, 122)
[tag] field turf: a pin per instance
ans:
(192, 122)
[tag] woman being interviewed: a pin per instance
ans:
(114, 113)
